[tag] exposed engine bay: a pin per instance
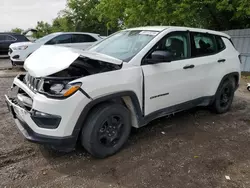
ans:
(57, 84)
(83, 66)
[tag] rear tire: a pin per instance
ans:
(224, 96)
(106, 130)
(248, 88)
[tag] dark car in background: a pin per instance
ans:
(6, 39)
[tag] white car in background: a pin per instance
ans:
(18, 52)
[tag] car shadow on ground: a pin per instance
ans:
(167, 131)
(168, 124)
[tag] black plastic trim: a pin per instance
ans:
(18, 63)
(84, 93)
(143, 92)
(48, 122)
(230, 75)
(160, 95)
(62, 142)
(15, 56)
(203, 101)
(89, 106)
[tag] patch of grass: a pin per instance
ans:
(245, 77)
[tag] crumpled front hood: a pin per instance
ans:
(48, 60)
(18, 44)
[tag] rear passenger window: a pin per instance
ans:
(220, 44)
(203, 44)
(61, 39)
(79, 38)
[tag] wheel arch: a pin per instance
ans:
(127, 98)
(234, 75)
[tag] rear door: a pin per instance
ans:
(82, 41)
(207, 60)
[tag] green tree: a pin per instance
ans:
(83, 15)
(107, 16)
(17, 30)
(62, 24)
(213, 14)
(43, 28)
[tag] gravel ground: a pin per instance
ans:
(5, 63)
(192, 149)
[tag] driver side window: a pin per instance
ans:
(175, 45)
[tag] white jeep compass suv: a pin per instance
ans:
(126, 80)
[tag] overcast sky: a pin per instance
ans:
(26, 13)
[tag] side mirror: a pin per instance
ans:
(159, 56)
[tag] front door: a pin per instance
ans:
(169, 84)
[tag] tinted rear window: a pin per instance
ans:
(220, 44)
(21, 38)
(203, 44)
(78, 38)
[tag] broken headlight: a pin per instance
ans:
(58, 88)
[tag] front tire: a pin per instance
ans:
(106, 130)
(224, 96)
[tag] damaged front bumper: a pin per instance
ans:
(44, 120)
(18, 113)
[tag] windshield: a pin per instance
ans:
(46, 38)
(125, 44)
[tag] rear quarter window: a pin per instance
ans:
(220, 44)
(79, 38)
(21, 38)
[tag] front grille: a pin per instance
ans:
(33, 83)
(10, 50)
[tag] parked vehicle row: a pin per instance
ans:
(19, 52)
(6, 39)
(127, 80)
